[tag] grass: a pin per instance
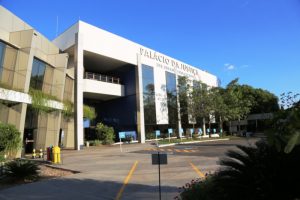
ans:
(172, 141)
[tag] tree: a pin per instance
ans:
(239, 105)
(201, 103)
(195, 100)
(284, 132)
(89, 112)
(218, 105)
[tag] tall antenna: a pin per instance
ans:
(56, 26)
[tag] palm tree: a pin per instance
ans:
(259, 172)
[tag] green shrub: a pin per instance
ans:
(68, 110)
(150, 135)
(2, 157)
(21, 170)
(251, 173)
(96, 143)
(201, 189)
(259, 172)
(10, 139)
(39, 100)
(105, 133)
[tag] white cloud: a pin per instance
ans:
(229, 66)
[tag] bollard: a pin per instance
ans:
(56, 154)
(33, 153)
(41, 153)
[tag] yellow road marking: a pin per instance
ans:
(193, 150)
(186, 151)
(177, 150)
(162, 150)
(169, 150)
(197, 170)
(126, 180)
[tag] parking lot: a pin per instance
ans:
(108, 173)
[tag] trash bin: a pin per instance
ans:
(56, 154)
(49, 153)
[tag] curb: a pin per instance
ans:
(192, 142)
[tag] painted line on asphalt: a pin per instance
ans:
(126, 180)
(197, 170)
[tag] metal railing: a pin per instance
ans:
(101, 77)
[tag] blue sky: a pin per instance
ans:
(255, 40)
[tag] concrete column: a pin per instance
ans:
(178, 109)
(21, 126)
(140, 101)
(78, 100)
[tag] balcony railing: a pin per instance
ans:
(101, 77)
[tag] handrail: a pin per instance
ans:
(101, 77)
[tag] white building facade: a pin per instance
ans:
(133, 88)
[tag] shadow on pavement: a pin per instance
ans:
(71, 188)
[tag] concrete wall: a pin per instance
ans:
(25, 44)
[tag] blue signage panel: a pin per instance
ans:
(157, 132)
(121, 135)
(200, 131)
(170, 130)
(86, 123)
(214, 130)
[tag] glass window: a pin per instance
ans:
(37, 74)
(8, 56)
(171, 98)
(182, 94)
(2, 50)
(148, 95)
(41, 76)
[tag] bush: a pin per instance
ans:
(105, 133)
(252, 173)
(201, 189)
(21, 170)
(97, 142)
(150, 135)
(261, 172)
(10, 139)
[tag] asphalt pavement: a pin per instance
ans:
(108, 173)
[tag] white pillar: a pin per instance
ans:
(178, 108)
(140, 101)
(78, 61)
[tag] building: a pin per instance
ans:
(131, 87)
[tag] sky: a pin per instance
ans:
(257, 41)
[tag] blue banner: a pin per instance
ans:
(157, 132)
(86, 123)
(121, 135)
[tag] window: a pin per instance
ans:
(171, 98)
(8, 56)
(148, 95)
(2, 50)
(37, 74)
